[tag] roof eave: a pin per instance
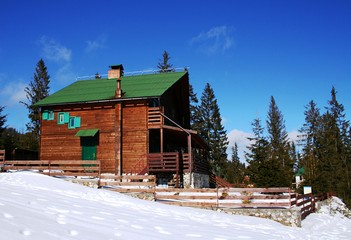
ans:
(98, 101)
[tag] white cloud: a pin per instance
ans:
(65, 74)
(96, 44)
(215, 40)
(242, 141)
(12, 93)
(53, 50)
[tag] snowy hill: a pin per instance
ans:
(39, 207)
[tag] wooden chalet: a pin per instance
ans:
(132, 124)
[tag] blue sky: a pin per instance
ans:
(247, 50)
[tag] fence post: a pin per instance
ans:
(217, 200)
(49, 167)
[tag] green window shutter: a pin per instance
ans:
(63, 117)
(74, 122)
(66, 118)
(45, 115)
(77, 122)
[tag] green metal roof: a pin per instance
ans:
(150, 85)
(87, 133)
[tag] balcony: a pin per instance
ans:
(155, 119)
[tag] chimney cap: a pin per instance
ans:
(117, 66)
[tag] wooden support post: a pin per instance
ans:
(190, 153)
(161, 140)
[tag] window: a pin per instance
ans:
(74, 122)
(51, 115)
(48, 115)
(63, 117)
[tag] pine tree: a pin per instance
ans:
(279, 146)
(37, 90)
(164, 65)
(2, 119)
(11, 139)
(258, 156)
(309, 141)
(195, 117)
(212, 131)
(326, 151)
(2, 126)
(335, 154)
(236, 169)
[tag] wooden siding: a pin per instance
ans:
(60, 142)
(135, 136)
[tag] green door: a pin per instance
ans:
(89, 148)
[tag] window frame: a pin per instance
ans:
(74, 122)
(62, 117)
(48, 115)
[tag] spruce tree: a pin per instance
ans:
(37, 90)
(236, 169)
(2, 126)
(258, 156)
(212, 131)
(195, 118)
(309, 142)
(326, 151)
(335, 154)
(11, 139)
(2, 119)
(280, 159)
(164, 65)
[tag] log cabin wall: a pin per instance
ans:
(58, 142)
(135, 136)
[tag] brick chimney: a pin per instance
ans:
(116, 72)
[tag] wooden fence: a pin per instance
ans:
(227, 197)
(307, 202)
(129, 183)
(90, 168)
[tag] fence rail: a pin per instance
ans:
(226, 197)
(129, 183)
(91, 168)
(307, 202)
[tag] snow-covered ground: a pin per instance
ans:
(34, 206)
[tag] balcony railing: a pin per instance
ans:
(163, 162)
(199, 164)
(173, 162)
(155, 119)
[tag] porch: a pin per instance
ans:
(172, 163)
(173, 148)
